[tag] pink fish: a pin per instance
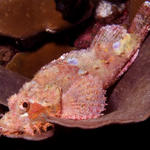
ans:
(74, 86)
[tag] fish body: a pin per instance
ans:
(74, 86)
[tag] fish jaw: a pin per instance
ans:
(22, 127)
(18, 124)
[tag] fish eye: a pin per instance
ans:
(25, 105)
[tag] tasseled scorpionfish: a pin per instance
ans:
(74, 86)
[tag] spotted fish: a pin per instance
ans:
(74, 86)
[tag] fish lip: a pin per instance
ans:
(36, 134)
(34, 137)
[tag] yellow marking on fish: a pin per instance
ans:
(102, 60)
(126, 44)
(111, 59)
(106, 50)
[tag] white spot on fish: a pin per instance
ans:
(44, 67)
(24, 115)
(31, 100)
(62, 57)
(49, 30)
(116, 45)
(82, 72)
(33, 82)
(72, 61)
(27, 85)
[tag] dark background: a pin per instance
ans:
(128, 136)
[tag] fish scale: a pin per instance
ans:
(87, 91)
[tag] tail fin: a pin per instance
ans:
(141, 22)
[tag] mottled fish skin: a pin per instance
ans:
(74, 86)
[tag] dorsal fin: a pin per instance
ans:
(108, 35)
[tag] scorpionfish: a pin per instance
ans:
(74, 86)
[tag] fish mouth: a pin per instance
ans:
(29, 125)
(17, 127)
(22, 135)
(38, 134)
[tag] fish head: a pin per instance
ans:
(26, 118)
